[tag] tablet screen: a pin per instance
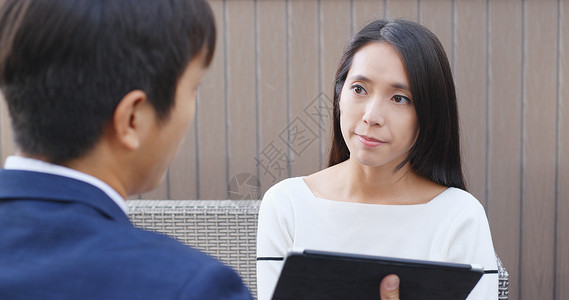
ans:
(310, 274)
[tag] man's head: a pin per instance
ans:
(65, 65)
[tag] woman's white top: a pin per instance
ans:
(452, 227)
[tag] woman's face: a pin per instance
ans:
(377, 115)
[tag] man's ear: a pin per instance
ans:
(130, 119)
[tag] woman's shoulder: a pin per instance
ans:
(286, 191)
(460, 195)
(303, 186)
(459, 200)
(287, 186)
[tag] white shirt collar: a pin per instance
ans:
(30, 164)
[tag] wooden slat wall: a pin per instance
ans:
(263, 112)
(539, 98)
(469, 54)
(210, 122)
(562, 184)
(366, 11)
(303, 80)
(505, 135)
(241, 92)
(335, 31)
(6, 144)
(272, 88)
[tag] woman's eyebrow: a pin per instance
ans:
(359, 77)
(400, 86)
(396, 85)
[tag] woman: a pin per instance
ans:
(394, 185)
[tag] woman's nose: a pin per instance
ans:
(374, 112)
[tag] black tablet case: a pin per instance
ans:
(330, 276)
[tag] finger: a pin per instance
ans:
(389, 288)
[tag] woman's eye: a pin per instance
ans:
(358, 89)
(401, 99)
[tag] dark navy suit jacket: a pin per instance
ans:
(61, 238)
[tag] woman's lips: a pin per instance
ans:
(369, 141)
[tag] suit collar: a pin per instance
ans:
(14, 162)
(29, 185)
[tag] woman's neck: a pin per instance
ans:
(350, 181)
(382, 185)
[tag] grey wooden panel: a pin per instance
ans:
(183, 176)
(562, 257)
(402, 9)
(437, 16)
(365, 11)
(273, 159)
(160, 192)
(303, 87)
(241, 89)
(335, 33)
(2, 117)
(504, 140)
(7, 144)
(211, 119)
(470, 77)
(538, 204)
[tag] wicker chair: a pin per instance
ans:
(225, 229)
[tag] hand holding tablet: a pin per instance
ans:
(327, 275)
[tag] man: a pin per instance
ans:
(100, 94)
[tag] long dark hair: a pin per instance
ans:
(436, 153)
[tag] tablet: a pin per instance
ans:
(309, 274)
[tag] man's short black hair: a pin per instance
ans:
(66, 64)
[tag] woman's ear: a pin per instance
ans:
(130, 119)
